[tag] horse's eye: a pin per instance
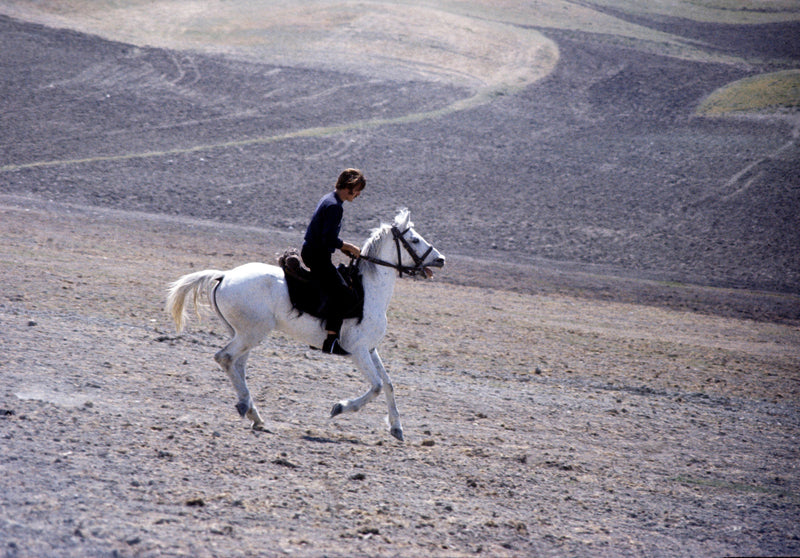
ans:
(415, 241)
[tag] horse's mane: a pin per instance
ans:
(372, 247)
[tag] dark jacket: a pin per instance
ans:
(322, 234)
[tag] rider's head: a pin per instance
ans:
(351, 180)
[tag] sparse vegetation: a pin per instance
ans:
(776, 92)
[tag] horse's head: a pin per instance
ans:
(419, 254)
(408, 253)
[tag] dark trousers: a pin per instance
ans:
(338, 294)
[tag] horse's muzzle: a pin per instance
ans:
(426, 270)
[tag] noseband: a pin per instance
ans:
(400, 238)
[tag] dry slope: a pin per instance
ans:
(548, 425)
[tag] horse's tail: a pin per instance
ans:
(195, 283)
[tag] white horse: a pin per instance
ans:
(253, 299)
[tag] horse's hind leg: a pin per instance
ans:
(251, 413)
(233, 360)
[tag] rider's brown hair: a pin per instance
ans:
(351, 179)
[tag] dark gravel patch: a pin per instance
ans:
(600, 164)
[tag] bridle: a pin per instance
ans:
(400, 238)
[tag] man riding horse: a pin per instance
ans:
(321, 241)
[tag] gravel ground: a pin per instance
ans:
(547, 425)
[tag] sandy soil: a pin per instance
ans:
(606, 366)
(553, 425)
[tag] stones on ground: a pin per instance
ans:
(283, 462)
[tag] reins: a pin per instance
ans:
(411, 271)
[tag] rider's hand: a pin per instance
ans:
(351, 249)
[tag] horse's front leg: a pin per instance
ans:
(363, 361)
(395, 428)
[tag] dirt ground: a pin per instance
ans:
(607, 365)
(550, 425)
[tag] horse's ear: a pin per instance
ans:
(403, 219)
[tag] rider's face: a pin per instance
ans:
(349, 195)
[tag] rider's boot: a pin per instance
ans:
(332, 345)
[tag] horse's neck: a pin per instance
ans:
(379, 287)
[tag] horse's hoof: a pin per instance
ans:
(397, 432)
(259, 427)
(242, 407)
(337, 410)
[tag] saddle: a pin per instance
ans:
(306, 294)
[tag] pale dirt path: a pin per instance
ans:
(461, 45)
(644, 431)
